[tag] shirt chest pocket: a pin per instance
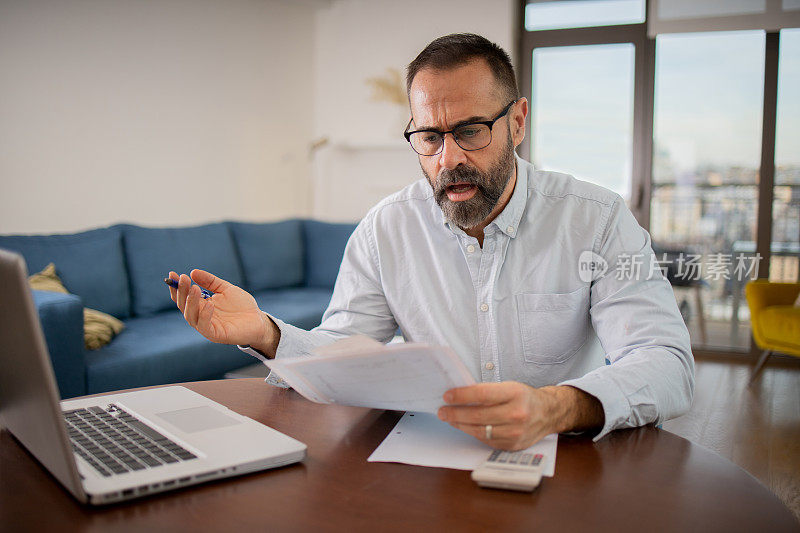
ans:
(553, 326)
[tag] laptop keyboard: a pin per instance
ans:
(114, 442)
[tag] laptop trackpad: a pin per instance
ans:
(197, 419)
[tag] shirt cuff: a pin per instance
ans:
(294, 342)
(272, 378)
(284, 348)
(288, 345)
(615, 405)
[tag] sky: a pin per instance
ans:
(582, 112)
(709, 98)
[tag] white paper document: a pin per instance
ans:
(362, 372)
(422, 439)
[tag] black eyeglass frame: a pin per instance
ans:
(489, 123)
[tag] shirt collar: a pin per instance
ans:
(508, 219)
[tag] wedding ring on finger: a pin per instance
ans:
(488, 431)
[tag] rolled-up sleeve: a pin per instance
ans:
(650, 377)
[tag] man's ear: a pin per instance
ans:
(517, 122)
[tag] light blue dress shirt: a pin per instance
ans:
(518, 308)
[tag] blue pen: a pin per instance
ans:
(205, 293)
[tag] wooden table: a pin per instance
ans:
(633, 480)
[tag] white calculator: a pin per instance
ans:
(510, 470)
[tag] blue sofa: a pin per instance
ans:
(289, 266)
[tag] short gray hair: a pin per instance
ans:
(457, 49)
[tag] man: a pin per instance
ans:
(483, 256)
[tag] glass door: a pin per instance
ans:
(785, 248)
(706, 156)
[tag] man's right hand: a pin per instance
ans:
(231, 316)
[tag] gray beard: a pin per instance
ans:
(490, 186)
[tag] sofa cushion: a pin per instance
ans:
(302, 306)
(153, 252)
(91, 265)
(159, 349)
(271, 253)
(324, 247)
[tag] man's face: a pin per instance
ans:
(467, 185)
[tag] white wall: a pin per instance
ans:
(153, 111)
(366, 157)
(175, 112)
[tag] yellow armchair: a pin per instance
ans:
(774, 318)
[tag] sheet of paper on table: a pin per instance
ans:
(422, 439)
(361, 372)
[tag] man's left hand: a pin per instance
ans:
(519, 415)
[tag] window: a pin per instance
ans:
(706, 157)
(586, 133)
(547, 15)
(673, 109)
(785, 248)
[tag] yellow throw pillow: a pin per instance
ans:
(98, 327)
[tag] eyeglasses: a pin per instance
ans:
(469, 136)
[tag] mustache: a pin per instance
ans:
(459, 174)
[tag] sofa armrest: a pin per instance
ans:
(61, 316)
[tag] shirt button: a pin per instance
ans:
(489, 366)
(470, 248)
(484, 307)
(510, 229)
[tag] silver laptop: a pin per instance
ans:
(119, 446)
